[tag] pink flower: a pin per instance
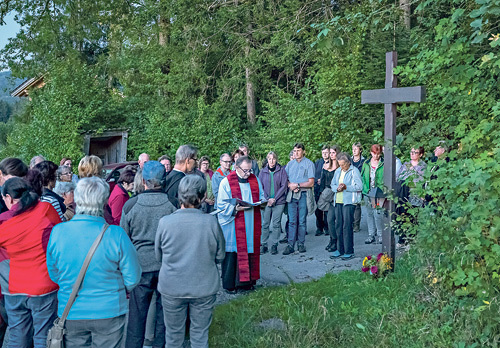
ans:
(374, 269)
(369, 257)
(365, 269)
(379, 256)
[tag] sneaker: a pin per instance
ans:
(318, 233)
(370, 240)
(263, 249)
(274, 249)
(302, 248)
(347, 256)
(335, 254)
(288, 250)
(329, 245)
(379, 240)
(284, 240)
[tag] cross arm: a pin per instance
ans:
(394, 95)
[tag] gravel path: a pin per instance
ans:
(313, 264)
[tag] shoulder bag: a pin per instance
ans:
(55, 336)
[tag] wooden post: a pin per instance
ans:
(391, 96)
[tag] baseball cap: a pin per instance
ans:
(153, 170)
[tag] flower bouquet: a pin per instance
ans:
(377, 266)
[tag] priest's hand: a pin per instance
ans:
(241, 208)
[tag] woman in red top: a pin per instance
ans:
(119, 196)
(31, 297)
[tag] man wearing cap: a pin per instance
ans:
(140, 218)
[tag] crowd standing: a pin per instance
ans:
(164, 231)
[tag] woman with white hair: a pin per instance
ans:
(189, 244)
(66, 190)
(97, 317)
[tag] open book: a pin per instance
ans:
(235, 201)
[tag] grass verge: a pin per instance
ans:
(350, 309)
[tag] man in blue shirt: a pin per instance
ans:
(300, 179)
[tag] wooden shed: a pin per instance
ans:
(110, 145)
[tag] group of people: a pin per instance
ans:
(165, 228)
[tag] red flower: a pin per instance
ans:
(369, 257)
(365, 269)
(374, 269)
(379, 256)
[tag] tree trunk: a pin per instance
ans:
(406, 7)
(163, 34)
(250, 88)
(250, 97)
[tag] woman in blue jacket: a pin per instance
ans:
(347, 186)
(97, 317)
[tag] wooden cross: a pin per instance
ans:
(391, 96)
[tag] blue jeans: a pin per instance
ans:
(27, 313)
(297, 232)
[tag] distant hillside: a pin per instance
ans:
(7, 84)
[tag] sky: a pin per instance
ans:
(8, 30)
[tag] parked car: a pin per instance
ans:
(112, 172)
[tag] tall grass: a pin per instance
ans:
(350, 309)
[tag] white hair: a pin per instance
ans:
(91, 194)
(63, 187)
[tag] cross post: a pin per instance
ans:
(390, 96)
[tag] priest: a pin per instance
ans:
(241, 226)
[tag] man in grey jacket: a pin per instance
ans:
(140, 218)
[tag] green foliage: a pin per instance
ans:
(350, 309)
(60, 111)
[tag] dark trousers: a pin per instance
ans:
(27, 313)
(230, 277)
(357, 218)
(344, 219)
(331, 227)
(140, 299)
(321, 220)
(95, 333)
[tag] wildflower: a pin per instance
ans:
(379, 256)
(374, 269)
(365, 269)
(369, 257)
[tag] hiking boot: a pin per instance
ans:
(263, 249)
(284, 240)
(318, 233)
(302, 248)
(288, 250)
(370, 240)
(274, 249)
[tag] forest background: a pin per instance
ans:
(270, 73)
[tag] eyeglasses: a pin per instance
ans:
(226, 161)
(245, 171)
(414, 152)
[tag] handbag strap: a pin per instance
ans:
(81, 275)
